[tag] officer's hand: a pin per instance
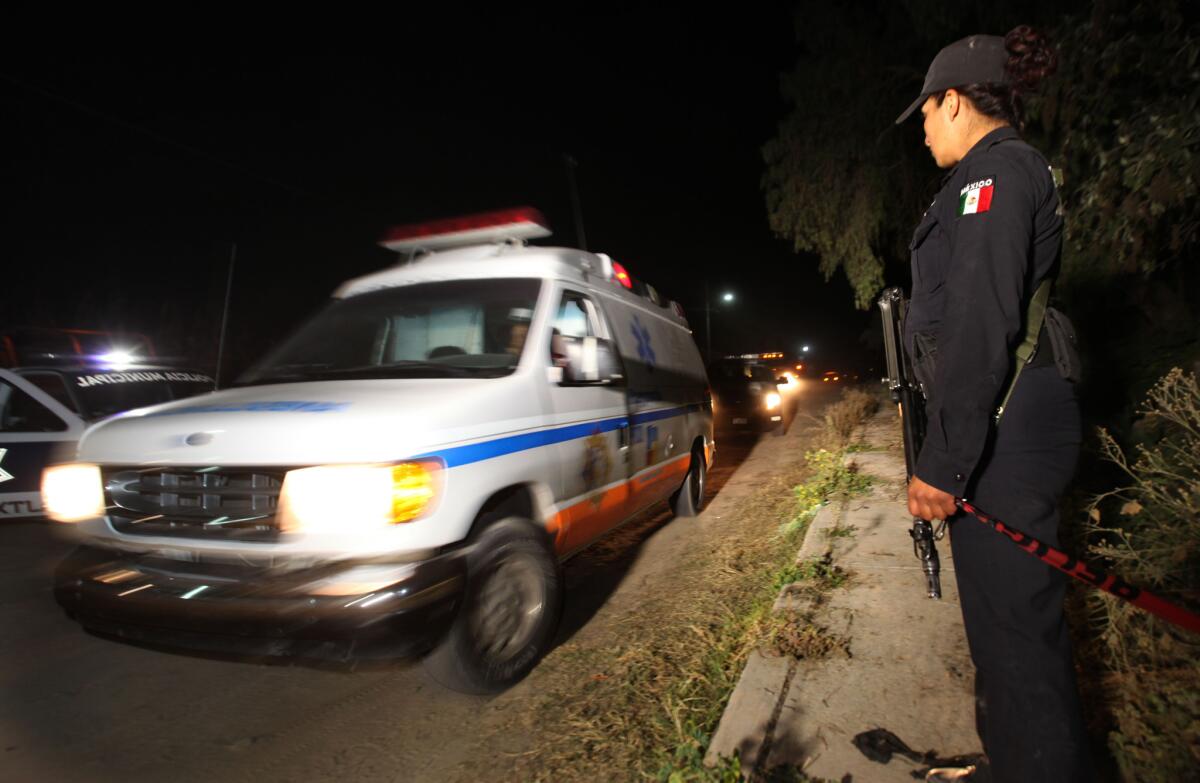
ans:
(928, 502)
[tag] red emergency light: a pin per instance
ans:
(478, 229)
(622, 276)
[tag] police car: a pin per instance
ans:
(44, 410)
(407, 471)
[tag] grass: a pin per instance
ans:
(654, 698)
(844, 417)
(831, 479)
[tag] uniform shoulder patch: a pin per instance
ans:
(976, 197)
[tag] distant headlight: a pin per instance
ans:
(72, 493)
(357, 498)
(772, 400)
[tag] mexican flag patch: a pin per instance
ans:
(976, 197)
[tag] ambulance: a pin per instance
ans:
(405, 473)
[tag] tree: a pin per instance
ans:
(838, 183)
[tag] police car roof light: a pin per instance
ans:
(482, 228)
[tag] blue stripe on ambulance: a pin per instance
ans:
(478, 452)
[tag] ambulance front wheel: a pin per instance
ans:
(509, 612)
(688, 500)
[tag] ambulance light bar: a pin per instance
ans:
(483, 228)
(616, 273)
(622, 276)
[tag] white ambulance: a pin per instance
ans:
(407, 471)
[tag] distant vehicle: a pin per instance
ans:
(44, 410)
(831, 376)
(746, 394)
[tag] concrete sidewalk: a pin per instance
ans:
(908, 668)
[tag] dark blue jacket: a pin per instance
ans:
(993, 232)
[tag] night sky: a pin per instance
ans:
(130, 176)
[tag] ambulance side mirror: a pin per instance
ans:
(591, 361)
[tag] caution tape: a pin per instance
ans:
(1142, 599)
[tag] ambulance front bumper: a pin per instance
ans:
(252, 610)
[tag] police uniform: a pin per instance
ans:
(992, 234)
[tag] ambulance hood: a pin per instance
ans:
(312, 423)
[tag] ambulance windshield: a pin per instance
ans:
(451, 329)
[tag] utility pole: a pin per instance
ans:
(707, 326)
(572, 164)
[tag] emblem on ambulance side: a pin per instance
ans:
(651, 445)
(644, 349)
(596, 464)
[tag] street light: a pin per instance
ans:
(726, 297)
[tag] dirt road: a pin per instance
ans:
(74, 707)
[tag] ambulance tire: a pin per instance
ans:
(688, 500)
(509, 613)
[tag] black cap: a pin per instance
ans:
(976, 59)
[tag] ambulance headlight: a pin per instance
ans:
(357, 498)
(73, 492)
(772, 400)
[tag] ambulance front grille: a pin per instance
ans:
(228, 504)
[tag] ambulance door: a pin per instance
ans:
(658, 403)
(35, 431)
(591, 426)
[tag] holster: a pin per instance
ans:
(1064, 344)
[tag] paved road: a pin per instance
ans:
(74, 707)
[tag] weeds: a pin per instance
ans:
(831, 479)
(1149, 531)
(818, 572)
(841, 531)
(797, 636)
(844, 417)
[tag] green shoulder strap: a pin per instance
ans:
(1033, 330)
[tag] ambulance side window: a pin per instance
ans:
(573, 319)
(579, 317)
(21, 413)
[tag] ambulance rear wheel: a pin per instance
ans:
(688, 500)
(509, 612)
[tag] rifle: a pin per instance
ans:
(910, 400)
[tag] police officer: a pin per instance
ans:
(991, 236)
